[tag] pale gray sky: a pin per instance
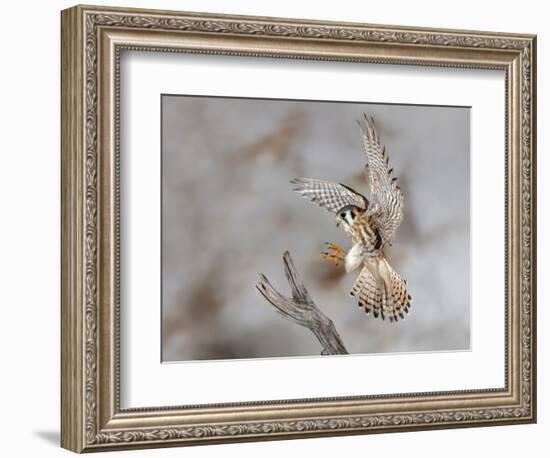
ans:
(229, 213)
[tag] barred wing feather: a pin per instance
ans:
(383, 185)
(329, 195)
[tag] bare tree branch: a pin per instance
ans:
(301, 309)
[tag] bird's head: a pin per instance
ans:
(347, 215)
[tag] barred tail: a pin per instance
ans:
(379, 298)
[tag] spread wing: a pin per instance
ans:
(332, 196)
(388, 198)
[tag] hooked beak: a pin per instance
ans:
(338, 220)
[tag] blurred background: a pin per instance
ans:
(229, 212)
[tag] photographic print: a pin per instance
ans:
(350, 220)
(346, 199)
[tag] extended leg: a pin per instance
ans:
(334, 253)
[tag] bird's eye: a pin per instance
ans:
(342, 215)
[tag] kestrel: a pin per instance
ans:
(371, 223)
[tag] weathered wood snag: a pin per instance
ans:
(301, 309)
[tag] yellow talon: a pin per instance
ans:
(335, 248)
(335, 253)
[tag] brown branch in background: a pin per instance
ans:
(301, 309)
(278, 142)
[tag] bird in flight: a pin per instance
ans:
(371, 223)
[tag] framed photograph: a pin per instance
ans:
(277, 228)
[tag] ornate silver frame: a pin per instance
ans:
(92, 39)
